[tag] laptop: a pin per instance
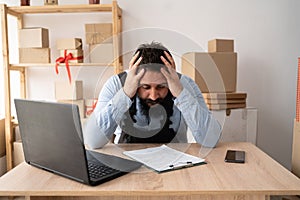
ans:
(52, 140)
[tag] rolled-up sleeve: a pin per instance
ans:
(111, 106)
(205, 128)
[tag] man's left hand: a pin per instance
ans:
(171, 75)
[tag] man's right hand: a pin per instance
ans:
(133, 78)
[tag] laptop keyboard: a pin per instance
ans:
(98, 171)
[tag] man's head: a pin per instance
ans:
(151, 54)
(153, 85)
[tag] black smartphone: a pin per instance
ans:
(235, 156)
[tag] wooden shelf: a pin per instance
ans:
(16, 10)
(12, 66)
(22, 66)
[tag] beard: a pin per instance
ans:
(166, 102)
(157, 113)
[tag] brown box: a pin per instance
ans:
(296, 149)
(222, 101)
(226, 106)
(94, 1)
(50, 2)
(18, 153)
(220, 45)
(101, 53)
(25, 2)
(80, 103)
(34, 55)
(213, 72)
(225, 101)
(98, 33)
(66, 91)
(3, 165)
(225, 96)
(17, 134)
(76, 53)
(33, 38)
(2, 138)
(69, 43)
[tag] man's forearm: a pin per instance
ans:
(104, 120)
(205, 128)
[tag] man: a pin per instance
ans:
(151, 103)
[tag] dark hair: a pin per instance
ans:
(151, 55)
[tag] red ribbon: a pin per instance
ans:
(66, 59)
(88, 112)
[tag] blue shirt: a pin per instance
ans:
(189, 111)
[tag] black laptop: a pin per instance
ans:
(52, 140)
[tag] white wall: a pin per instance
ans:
(267, 41)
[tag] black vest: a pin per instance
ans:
(165, 135)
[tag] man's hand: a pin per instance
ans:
(171, 75)
(133, 78)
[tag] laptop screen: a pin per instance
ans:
(52, 137)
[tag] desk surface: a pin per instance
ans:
(259, 175)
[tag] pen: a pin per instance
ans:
(184, 164)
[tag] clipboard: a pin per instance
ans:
(163, 158)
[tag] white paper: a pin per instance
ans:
(163, 158)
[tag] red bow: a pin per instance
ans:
(88, 112)
(66, 59)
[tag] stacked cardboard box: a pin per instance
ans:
(50, 2)
(296, 135)
(70, 52)
(2, 138)
(99, 39)
(18, 153)
(222, 101)
(34, 45)
(215, 72)
(71, 93)
(70, 47)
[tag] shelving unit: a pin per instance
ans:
(18, 12)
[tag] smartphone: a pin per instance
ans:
(235, 156)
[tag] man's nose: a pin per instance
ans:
(153, 94)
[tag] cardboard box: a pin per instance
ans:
(220, 45)
(69, 43)
(226, 106)
(101, 53)
(17, 133)
(98, 33)
(2, 138)
(90, 105)
(225, 101)
(67, 91)
(50, 2)
(80, 103)
(228, 96)
(18, 153)
(33, 38)
(76, 53)
(213, 72)
(34, 55)
(296, 149)
(3, 168)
